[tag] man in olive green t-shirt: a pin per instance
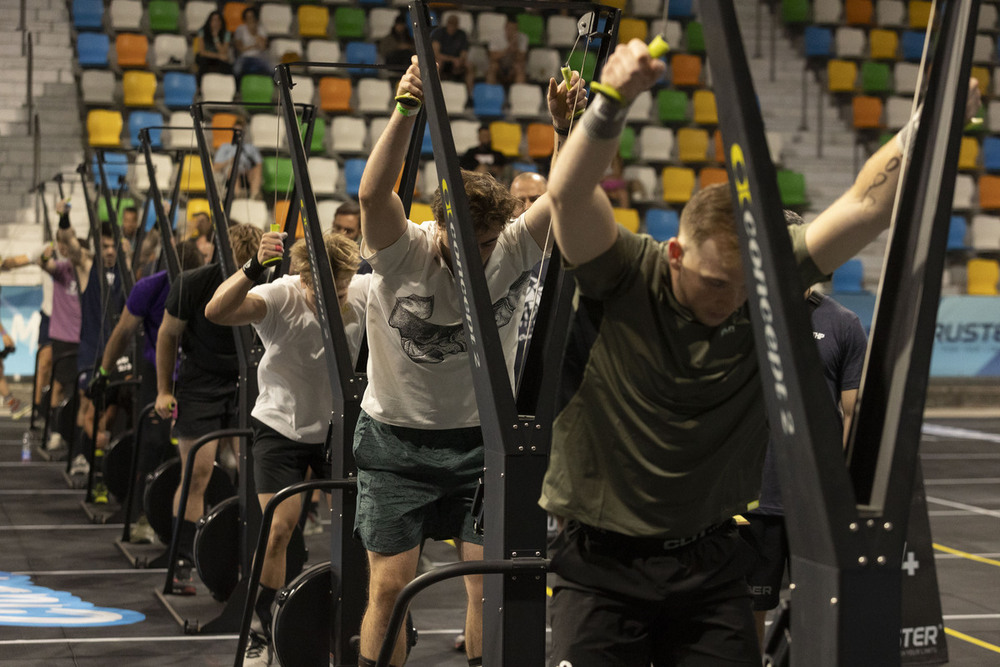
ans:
(663, 436)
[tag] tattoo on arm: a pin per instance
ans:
(880, 180)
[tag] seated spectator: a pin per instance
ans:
(213, 52)
(250, 41)
(615, 185)
(397, 47)
(250, 170)
(451, 51)
(508, 54)
(484, 157)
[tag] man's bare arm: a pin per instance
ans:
(127, 325)
(167, 341)
(232, 304)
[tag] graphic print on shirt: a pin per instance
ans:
(428, 343)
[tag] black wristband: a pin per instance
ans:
(253, 269)
(561, 132)
(64, 221)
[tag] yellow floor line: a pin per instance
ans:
(972, 640)
(964, 554)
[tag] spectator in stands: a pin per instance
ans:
(483, 157)
(250, 169)
(212, 48)
(451, 52)
(130, 223)
(205, 396)
(250, 41)
(615, 186)
(397, 47)
(528, 187)
(291, 417)
(347, 220)
(508, 55)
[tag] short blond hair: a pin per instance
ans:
(341, 251)
(709, 214)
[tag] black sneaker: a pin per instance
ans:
(183, 580)
(259, 653)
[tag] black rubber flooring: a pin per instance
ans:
(47, 541)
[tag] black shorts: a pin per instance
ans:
(415, 484)
(279, 462)
(64, 370)
(43, 330)
(767, 536)
(624, 601)
(200, 414)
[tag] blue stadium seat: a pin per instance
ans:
(179, 89)
(140, 119)
(912, 44)
(682, 9)
(353, 169)
(362, 53)
(848, 279)
(956, 233)
(88, 14)
(151, 213)
(662, 223)
(426, 149)
(115, 168)
(817, 42)
(92, 49)
(488, 100)
(990, 153)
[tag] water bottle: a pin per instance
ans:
(26, 448)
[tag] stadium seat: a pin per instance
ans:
(277, 175)
(957, 229)
(919, 13)
(984, 50)
(256, 89)
(890, 13)
(984, 233)
(281, 208)
(968, 154)
(465, 134)
(353, 169)
(303, 89)
(170, 50)
(656, 143)
(541, 64)
(794, 12)
(182, 138)
(848, 278)
(705, 111)
(678, 184)
(284, 49)
(792, 186)
(627, 218)
(378, 124)
(672, 106)
(694, 37)
(115, 168)
(380, 22)
(179, 89)
(276, 19)
(643, 181)
(506, 137)
(858, 12)
(583, 62)
(249, 211)
(817, 42)
(561, 31)
(488, 100)
(349, 22)
(912, 43)
(98, 87)
(632, 28)
(712, 175)
(192, 176)
(989, 192)
(163, 167)
(318, 143)
(92, 49)
(692, 145)
(375, 95)
(220, 136)
(533, 25)
(990, 152)
(232, 14)
(456, 96)
(867, 112)
(965, 192)
(322, 51)
(87, 14)
(541, 140)
(841, 75)
(982, 276)
(491, 24)
(627, 145)
(196, 12)
(685, 70)
(647, 8)
(683, 9)
(313, 21)
(267, 132)
(347, 134)
(131, 50)
(323, 174)
(164, 15)
(361, 53)
(904, 76)
(883, 44)
(125, 15)
(641, 109)
(104, 128)
(138, 88)
(335, 94)
(217, 87)
(662, 223)
(525, 100)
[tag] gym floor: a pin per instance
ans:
(48, 539)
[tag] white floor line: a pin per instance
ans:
(950, 513)
(41, 492)
(70, 573)
(118, 640)
(957, 481)
(73, 526)
(959, 433)
(962, 506)
(959, 457)
(970, 617)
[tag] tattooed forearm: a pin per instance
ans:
(879, 181)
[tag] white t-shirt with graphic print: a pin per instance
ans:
(419, 374)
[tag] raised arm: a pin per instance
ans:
(383, 220)
(865, 210)
(232, 304)
(583, 221)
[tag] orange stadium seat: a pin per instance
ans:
(219, 136)
(541, 139)
(131, 50)
(867, 112)
(232, 14)
(685, 70)
(335, 94)
(711, 176)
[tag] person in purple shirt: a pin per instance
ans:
(145, 306)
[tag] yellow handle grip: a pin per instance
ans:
(275, 227)
(658, 47)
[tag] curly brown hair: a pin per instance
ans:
(244, 239)
(490, 203)
(342, 252)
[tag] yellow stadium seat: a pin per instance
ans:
(982, 276)
(506, 137)
(139, 88)
(104, 128)
(982, 75)
(692, 144)
(313, 21)
(678, 184)
(883, 44)
(968, 154)
(920, 13)
(841, 75)
(420, 212)
(632, 28)
(196, 206)
(192, 176)
(627, 218)
(705, 111)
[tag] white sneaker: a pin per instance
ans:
(80, 466)
(259, 652)
(313, 525)
(55, 442)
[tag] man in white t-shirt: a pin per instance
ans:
(418, 444)
(292, 414)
